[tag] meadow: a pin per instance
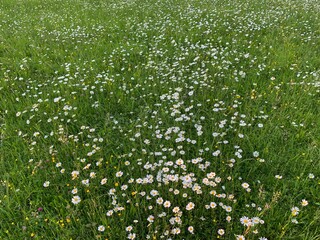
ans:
(160, 119)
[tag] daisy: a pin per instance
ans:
(176, 209)
(241, 237)
(129, 228)
(191, 229)
(76, 200)
(109, 213)
(101, 228)
(74, 191)
(255, 220)
(159, 201)
(295, 211)
(304, 203)
(46, 184)
(221, 232)
(311, 176)
(150, 219)
(167, 204)
(228, 209)
(74, 174)
(154, 193)
(190, 206)
(213, 204)
(131, 236)
(245, 221)
(245, 185)
(179, 162)
(175, 231)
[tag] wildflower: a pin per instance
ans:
(179, 162)
(131, 236)
(216, 153)
(190, 206)
(46, 184)
(217, 179)
(295, 211)
(213, 204)
(85, 182)
(255, 220)
(58, 164)
(167, 204)
(191, 229)
(175, 231)
(109, 213)
(211, 175)
(304, 203)
(215, 134)
(240, 237)
(228, 218)
(213, 192)
(103, 181)
(101, 228)
(150, 219)
(74, 174)
(256, 154)
(76, 200)
(245, 221)
(159, 201)
(129, 228)
(263, 238)
(119, 174)
(311, 176)
(154, 193)
(278, 176)
(74, 191)
(176, 209)
(228, 209)
(221, 232)
(245, 185)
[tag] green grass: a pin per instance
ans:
(193, 99)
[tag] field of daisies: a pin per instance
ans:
(160, 119)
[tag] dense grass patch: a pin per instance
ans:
(159, 119)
